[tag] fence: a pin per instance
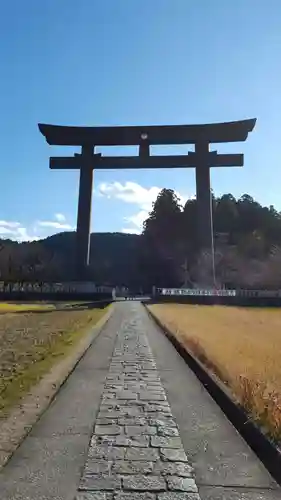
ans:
(194, 292)
(79, 290)
(218, 296)
(216, 292)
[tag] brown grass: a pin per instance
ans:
(31, 342)
(242, 346)
(6, 307)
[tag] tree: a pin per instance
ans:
(162, 240)
(225, 216)
(244, 233)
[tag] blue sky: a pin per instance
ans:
(130, 62)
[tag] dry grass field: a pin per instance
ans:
(32, 338)
(242, 346)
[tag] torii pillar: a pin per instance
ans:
(86, 160)
(204, 197)
(84, 211)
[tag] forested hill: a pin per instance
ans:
(112, 259)
(112, 255)
(247, 240)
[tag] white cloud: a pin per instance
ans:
(18, 232)
(5, 230)
(137, 221)
(59, 223)
(130, 192)
(22, 235)
(10, 224)
(15, 231)
(131, 230)
(135, 194)
(60, 217)
(54, 224)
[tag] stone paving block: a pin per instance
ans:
(156, 390)
(121, 412)
(181, 484)
(129, 403)
(148, 454)
(131, 467)
(161, 420)
(166, 442)
(173, 455)
(144, 483)
(126, 394)
(157, 408)
(109, 386)
(106, 452)
(134, 496)
(150, 376)
(173, 469)
(103, 430)
(106, 421)
(98, 495)
(98, 482)
(135, 386)
(135, 406)
(165, 430)
(97, 466)
(136, 411)
(122, 440)
(158, 405)
(151, 396)
(162, 404)
(108, 412)
(111, 402)
(136, 430)
(133, 421)
(172, 495)
(137, 441)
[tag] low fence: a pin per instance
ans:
(264, 298)
(55, 291)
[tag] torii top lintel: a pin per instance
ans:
(60, 135)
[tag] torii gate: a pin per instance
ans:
(144, 137)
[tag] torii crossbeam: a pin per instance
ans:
(144, 137)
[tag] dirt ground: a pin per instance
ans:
(241, 346)
(32, 339)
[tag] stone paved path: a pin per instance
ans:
(135, 452)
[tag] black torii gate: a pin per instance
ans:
(144, 137)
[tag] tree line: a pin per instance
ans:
(247, 242)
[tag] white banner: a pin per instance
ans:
(218, 292)
(195, 291)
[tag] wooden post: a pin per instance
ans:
(204, 202)
(84, 212)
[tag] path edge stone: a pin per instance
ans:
(15, 428)
(265, 450)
